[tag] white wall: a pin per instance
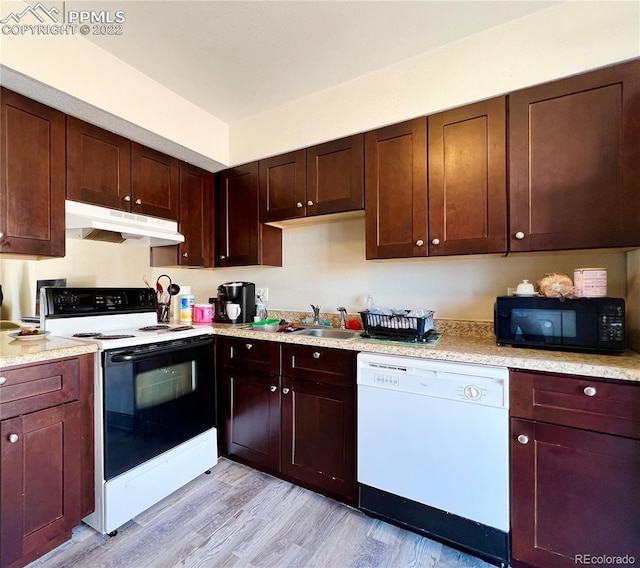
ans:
(323, 264)
(633, 298)
(48, 66)
(562, 40)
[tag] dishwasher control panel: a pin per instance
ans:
(475, 384)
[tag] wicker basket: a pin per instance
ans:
(398, 327)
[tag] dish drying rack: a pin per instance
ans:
(398, 326)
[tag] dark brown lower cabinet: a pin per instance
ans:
(576, 496)
(46, 447)
(575, 466)
(252, 418)
(300, 429)
(40, 471)
(318, 435)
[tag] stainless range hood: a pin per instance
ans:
(84, 221)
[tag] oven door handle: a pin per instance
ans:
(132, 356)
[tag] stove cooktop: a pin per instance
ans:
(110, 318)
(116, 338)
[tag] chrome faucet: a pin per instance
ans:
(316, 314)
(343, 317)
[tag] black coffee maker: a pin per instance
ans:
(241, 293)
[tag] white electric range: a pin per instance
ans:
(154, 391)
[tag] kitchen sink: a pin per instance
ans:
(329, 333)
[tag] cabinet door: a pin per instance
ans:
(468, 179)
(318, 436)
(241, 240)
(251, 413)
(154, 183)
(98, 166)
(335, 176)
(575, 495)
(32, 177)
(574, 168)
(40, 473)
(283, 186)
(196, 216)
(396, 190)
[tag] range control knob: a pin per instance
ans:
(472, 392)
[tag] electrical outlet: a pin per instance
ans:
(263, 293)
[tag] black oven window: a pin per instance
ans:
(160, 386)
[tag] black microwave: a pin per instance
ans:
(595, 325)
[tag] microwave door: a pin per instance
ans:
(535, 326)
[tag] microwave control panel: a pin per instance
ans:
(612, 323)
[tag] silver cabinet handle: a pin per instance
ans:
(185, 254)
(13, 438)
(519, 235)
(273, 388)
(310, 203)
(285, 390)
(523, 439)
(299, 205)
(249, 345)
(316, 355)
(435, 242)
(138, 201)
(126, 198)
(222, 257)
(1, 235)
(590, 391)
(3, 380)
(419, 242)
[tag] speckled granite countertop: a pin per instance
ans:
(481, 350)
(14, 352)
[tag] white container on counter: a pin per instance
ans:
(590, 282)
(184, 291)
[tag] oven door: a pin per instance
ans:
(155, 398)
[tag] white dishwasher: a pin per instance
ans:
(433, 450)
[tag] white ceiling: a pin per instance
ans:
(236, 59)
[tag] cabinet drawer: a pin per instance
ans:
(582, 402)
(250, 355)
(333, 366)
(36, 387)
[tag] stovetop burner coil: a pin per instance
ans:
(102, 336)
(153, 327)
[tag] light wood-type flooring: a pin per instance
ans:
(237, 517)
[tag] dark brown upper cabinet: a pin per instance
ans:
(335, 176)
(574, 148)
(196, 216)
(322, 179)
(98, 166)
(196, 222)
(109, 170)
(154, 183)
(396, 190)
(32, 177)
(468, 179)
(283, 186)
(241, 240)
